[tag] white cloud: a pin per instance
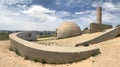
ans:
(85, 12)
(38, 9)
(111, 12)
(80, 13)
(84, 18)
(38, 17)
(58, 2)
(11, 2)
(41, 13)
(63, 13)
(35, 18)
(69, 2)
(24, 22)
(109, 6)
(109, 18)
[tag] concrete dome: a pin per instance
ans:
(68, 29)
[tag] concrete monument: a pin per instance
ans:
(98, 26)
(67, 29)
(99, 15)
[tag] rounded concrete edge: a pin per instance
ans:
(50, 54)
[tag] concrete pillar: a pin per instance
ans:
(99, 15)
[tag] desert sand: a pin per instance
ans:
(67, 42)
(109, 57)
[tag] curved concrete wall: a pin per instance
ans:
(50, 54)
(30, 36)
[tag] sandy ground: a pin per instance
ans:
(72, 41)
(109, 57)
(67, 41)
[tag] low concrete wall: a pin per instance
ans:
(94, 27)
(50, 54)
(30, 36)
(106, 36)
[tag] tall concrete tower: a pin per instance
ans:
(99, 15)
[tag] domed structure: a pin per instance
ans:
(67, 29)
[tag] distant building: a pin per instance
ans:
(45, 33)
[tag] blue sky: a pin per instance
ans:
(49, 14)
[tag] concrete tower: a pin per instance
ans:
(99, 15)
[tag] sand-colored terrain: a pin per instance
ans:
(110, 53)
(10, 59)
(109, 57)
(70, 42)
(67, 42)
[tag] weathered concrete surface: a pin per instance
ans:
(98, 26)
(94, 27)
(99, 15)
(50, 54)
(106, 36)
(68, 29)
(30, 36)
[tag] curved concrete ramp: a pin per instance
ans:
(50, 54)
(105, 36)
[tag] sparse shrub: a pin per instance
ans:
(17, 52)
(36, 60)
(85, 30)
(26, 58)
(84, 58)
(43, 61)
(10, 49)
(70, 62)
(94, 55)
(93, 61)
